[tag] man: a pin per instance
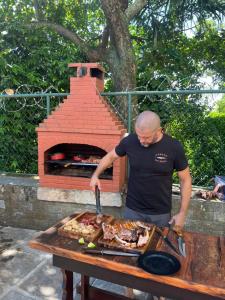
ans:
(153, 156)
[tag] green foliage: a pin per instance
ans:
(18, 151)
(179, 61)
(35, 61)
(166, 58)
(39, 60)
(19, 118)
(220, 105)
(218, 119)
(201, 134)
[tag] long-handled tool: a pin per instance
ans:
(111, 252)
(180, 240)
(167, 241)
(98, 205)
(97, 197)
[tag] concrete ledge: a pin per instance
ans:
(20, 207)
(78, 196)
(19, 180)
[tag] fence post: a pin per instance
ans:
(48, 104)
(129, 118)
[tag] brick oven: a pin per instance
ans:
(78, 133)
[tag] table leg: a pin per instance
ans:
(67, 285)
(84, 287)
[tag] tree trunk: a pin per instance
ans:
(120, 55)
(124, 79)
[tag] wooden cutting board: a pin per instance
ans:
(114, 244)
(75, 234)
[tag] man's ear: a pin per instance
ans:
(160, 130)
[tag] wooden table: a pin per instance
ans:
(202, 273)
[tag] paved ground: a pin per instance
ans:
(27, 274)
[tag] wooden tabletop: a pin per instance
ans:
(202, 270)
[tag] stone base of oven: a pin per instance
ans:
(78, 196)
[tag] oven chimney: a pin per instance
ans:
(87, 75)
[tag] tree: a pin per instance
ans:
(40, 37)
(107, 30)
(180, 61)
(220, 105)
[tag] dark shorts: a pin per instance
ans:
(159, 220)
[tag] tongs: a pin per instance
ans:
(97, 197)
(180, 240)
(166, 240)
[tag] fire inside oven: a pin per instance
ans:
(75, 160)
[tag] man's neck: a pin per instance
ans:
(159, 138)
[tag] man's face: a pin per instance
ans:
(147, 137)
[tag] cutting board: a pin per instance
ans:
(114, 244)
(76, 234)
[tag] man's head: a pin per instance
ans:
(148, 129)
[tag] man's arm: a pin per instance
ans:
(185, 189)
(105, 162)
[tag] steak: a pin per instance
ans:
(131, 234)
(108, 231)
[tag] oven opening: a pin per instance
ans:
(75, 160)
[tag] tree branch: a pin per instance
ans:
(117, 24)
(120, 48)
(91, 53)
(135, 8)
(105, 38)
(38, 10)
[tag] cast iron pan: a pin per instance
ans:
(159, 262)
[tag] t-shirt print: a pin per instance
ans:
(161, 157)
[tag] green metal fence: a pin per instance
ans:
(185, 114)
(20, 114)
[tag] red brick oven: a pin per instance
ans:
(81, 128)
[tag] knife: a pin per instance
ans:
(181, 242)
(181, 246)
(167, 241)
(97, 197)
(111, 252)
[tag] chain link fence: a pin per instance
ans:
(186, 115)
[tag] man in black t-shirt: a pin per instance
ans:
(153, 157)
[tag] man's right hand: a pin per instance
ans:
(95, 181)
(105, 162)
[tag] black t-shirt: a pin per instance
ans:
(151, 170)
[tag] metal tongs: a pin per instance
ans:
(180, 240)
(166, 240)
(98, 205)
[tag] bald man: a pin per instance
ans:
(153, 157)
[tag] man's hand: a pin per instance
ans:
(105, 162)
(178, 220)
(95, 181)
(185, 189)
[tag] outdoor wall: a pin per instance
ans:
(19, 207)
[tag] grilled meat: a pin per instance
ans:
(130, 234)
(126, 244)
(143, 238)
(109, 231)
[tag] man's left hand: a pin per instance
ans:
(178, 220)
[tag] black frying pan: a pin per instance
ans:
(159, 262)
